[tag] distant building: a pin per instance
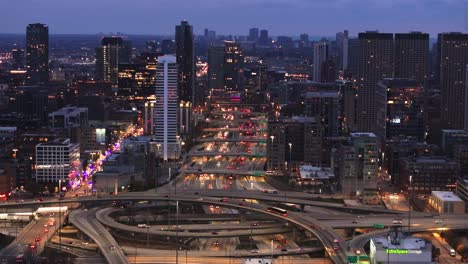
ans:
(320, 57)
(108, 58)
(453, 57)
(253, 34)
(167, 46)
(167, 106)
(398, 248)
(375, 64)
(264, 40)
(58, 160)
(69, 117)
(326, 106)
(447, 203)
(7, 178)
(400, 109)
(37, 54)
(138, 78)
(18, 58)
(412, 56)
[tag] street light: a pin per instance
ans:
(290, 150)
(409, 203)
(272, 138)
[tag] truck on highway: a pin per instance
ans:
(142, 226)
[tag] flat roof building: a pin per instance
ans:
(447, 202)
(397, 248)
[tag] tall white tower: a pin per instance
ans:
(166, 106)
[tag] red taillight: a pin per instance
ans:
(285, 214)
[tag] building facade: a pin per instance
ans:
(37, 54)
(412, 56)
(375, 64)
(58, 160)
(166, 121)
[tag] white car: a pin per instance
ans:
(438, 221)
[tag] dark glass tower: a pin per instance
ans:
(185, 61)
(37, 54)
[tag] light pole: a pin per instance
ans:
(177, 232)
(409, 203)
(290, 151)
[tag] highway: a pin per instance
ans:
(88, 224)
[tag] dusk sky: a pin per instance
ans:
(280, 17)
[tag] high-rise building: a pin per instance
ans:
(185, 61)
(453, 58)
(166, 106)
(58, 160)
(253, 34)
(375, 64)
(225, 66)
(108, 57)
(215, 69)
(264, 40)
(327, 107)
(37, 54)
(352, 68)
(233, 63)
(342, 46)
(320, 57)
(412, 55)
(400, 109)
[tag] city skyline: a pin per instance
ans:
(280, 17)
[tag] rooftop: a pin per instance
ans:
(363, 134)
(308, 171)
(446, 196)
(400, 242)
(70, 111)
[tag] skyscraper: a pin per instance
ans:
(233, 63)
(108, 59)
(412, 55)
(18, 58)
(166, 106)
(253, 34)
(320, 56)
(263, 40)
(375, 63)
(215, 69)
(453, 58)
(185, 61)
(225, 65)
(37, 54)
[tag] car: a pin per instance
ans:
(112, 248)
(255, 224)
(46, 230)
(357, 251)
(336, 240)
(242, 204)
(284, 249)
(438, 221)
(38, 239)
(214, 233)
(196, 193)
(216, 243)
(354, 221)
(71, 242)
(360, 216)
(336, 248)
(452, 253)
(254, 251)
(46, 225)
(397, 221)
(313, 226)
(85, 243)
(300, 249)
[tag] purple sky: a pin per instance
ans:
(281, 17)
